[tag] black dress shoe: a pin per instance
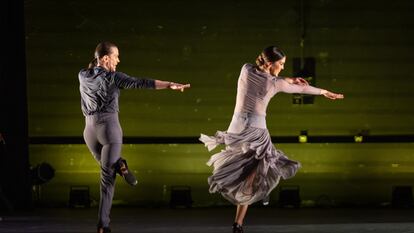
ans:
(237, 228)
(121, 168)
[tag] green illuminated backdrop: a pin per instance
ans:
(363, 50)
(358, 51)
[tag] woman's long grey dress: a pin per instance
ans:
(250, 167)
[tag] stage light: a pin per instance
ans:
(181, 196)
(42, 173)
(303, 137)
(358, 138)
(79, 197)
(289, 196)
(297, 99)
(402, 197)
(304, 67)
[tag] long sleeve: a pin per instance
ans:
(282, 85)
(125, 81)
(256, 88)
(99, 89)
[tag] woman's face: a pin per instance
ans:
(275, 68)
(110, 61)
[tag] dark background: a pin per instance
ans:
(362, 49)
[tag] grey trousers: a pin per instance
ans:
(103, 136)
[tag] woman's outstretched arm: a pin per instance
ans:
(331, 95)
(296, 80)
(284, 86)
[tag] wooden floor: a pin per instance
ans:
(212, 220)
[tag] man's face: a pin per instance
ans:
(113, 59)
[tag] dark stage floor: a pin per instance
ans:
(213, 220)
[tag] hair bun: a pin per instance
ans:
(260, 61)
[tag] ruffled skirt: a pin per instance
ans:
(250, 167)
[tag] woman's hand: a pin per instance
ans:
(297, 81)
(178, 86)
(331, 95)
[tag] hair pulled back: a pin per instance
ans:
(102, 49)
(269, 54)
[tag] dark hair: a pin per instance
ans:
(102, 49)
(269, 54)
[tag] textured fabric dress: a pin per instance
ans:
(250, 167)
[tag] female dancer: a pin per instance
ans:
(99, 88)
(250, 166)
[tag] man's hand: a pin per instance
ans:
(178, 86)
